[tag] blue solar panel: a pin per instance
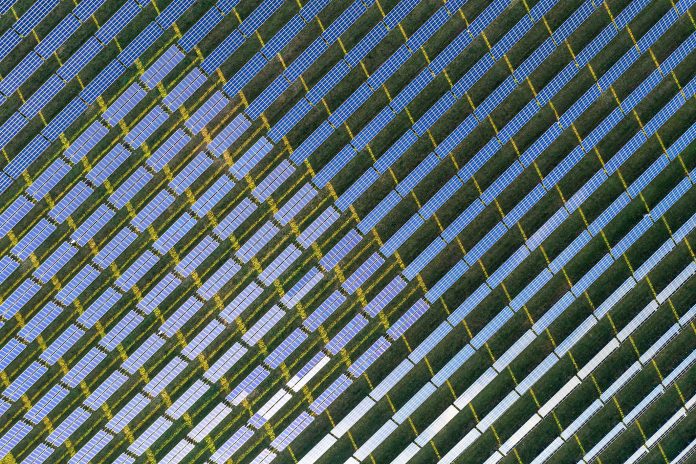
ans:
(184, 89)
(366, 44)
(142, 42)
(173, 11)
(223, 51)
(8, 41)
(357, 189)
(259, 16)
(41, 97)
(87, 8)
(30, 153)
(33, 239)
(34, 15)
(78, 60)
(146, 127)
(200, 30)
(58, 35)
(64, 119)
(428, 29)
(206, 112)
(283, 37)
(99, 84)
(14, 213)
(115, 24)
(11, 128)
(289, 120)
(92, 225)
(19, 75)
(340, 250)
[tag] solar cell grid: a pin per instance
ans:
(342, 244)
(33, 239)
(207, 112)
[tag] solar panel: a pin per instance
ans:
(7, 267)
(162, 67)
(158, 293)
(87, 8)
(204, 338)
(293, 430)
(13, 436)
(324, 310)
(61, 345)
(130, 187)
(11, 128)
(24, 381)
(103, 81)
(33, 239)
(86, 53)
(184, 89)
(346, 334)
(99, 307)
(248, 385)
(117, 22)
(302, 287)
(314, 230)
(142, 353)
(229, 135)
(190, 173)
(200, 30)
(181, 316)
(92, 225)
(256, 242)
(127, 413)
(149, 436)
(173, 12)
(152, 210)
(33, 16)
(218, 279)
(32, 151)
(186, 400)
(263, 325)
(124, 104)
(223, 51)
(77, 285)
(197, 255)
(281, 39)
(295, 204)
(232, 445)
(174, 233)
(69, 425)
(20, 73)
(146, 127)
(362, 273)
(331, 393)
(212, 196)
(225, 362)
(136, 271)
(39, 322)
(83, 367)
(286, 348)
(207, 111)
(164, 377)
(114, 248)
(121, 330)
(280, 264)
(107, 165)
(55, 262)
(241, 302)
(251, 158)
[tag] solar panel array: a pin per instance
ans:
(319, 232)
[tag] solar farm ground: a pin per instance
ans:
(347, 231)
